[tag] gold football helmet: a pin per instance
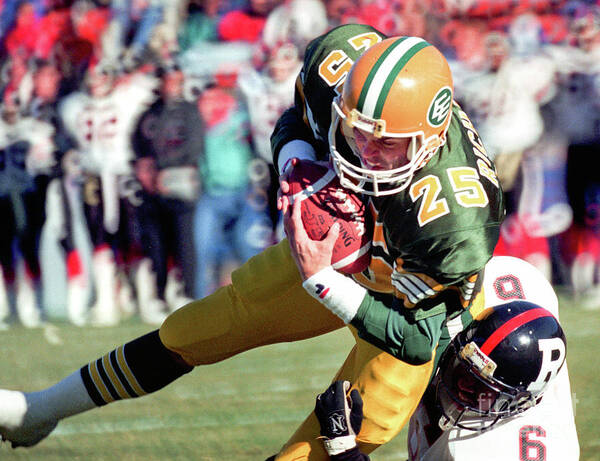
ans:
(400, 87)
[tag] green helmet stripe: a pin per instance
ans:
(373, 72)
(384, 72)
(390, 80)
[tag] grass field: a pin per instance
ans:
(241, 409)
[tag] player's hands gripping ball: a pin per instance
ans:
(323, 202)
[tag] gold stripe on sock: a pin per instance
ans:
(99, 383)
(128, 374)
(114, 379)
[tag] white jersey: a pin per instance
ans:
(507, 102)
(266, 101)
(26, 150)
(102, 126)
(545, 432)
(575, 112)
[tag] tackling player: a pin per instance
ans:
(396, 137)
(520, 408)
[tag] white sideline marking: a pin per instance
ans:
(152, 424)
(403, 455)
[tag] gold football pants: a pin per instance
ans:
(266, 304)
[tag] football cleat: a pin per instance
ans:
(29, 436)
(28, 310)
(15, 425)
(105, 312)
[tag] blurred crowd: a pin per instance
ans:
(135, 165)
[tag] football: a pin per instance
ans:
(325, 201)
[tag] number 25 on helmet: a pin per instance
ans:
(400, 88)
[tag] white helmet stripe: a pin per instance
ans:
(383, 74)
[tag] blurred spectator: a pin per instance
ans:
(340, 11)
(294, 21)
(268, 90)
(396, 17)
(246, 24)
(516, 77)
(21, 39)
(101, 119)
(16, 77)
(26, 159)
(200, 24)
(268, 85)
(463, 40)
(38, 33)
(89, 22)
(584, 25)
(64, 190)
(576, 112)
(128, 34)
(169, 144)
(46, 86)
(229, 226)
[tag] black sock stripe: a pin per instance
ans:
(115, 364)
(91, 388)
(107, 382)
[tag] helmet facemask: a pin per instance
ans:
(376, 182)
(469, 396)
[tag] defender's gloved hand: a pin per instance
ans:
(340, 416)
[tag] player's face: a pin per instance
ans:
(173, 84)
(100, 83)
(46, 83)
(283, 60)
(382, 153)
(469, 390)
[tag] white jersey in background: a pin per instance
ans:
(545, 432)
(102, 128)
(266, 100)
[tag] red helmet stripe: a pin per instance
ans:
(510, 326)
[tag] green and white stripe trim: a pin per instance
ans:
(384, 72)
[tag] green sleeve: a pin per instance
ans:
(385, 323)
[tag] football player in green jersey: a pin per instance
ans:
(394, 134)
(381, 112)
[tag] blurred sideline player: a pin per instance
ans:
(438, 207)
(101, 120)
(452, 422)
(26, 159)
(268, 88)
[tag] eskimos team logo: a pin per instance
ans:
(439, 107)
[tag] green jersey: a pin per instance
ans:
(431, 240)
